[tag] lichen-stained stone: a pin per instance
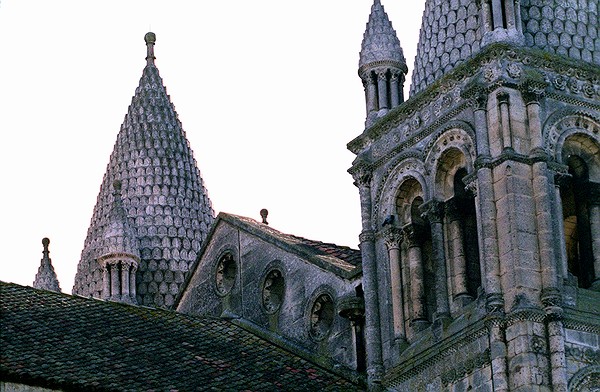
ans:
(163, 194)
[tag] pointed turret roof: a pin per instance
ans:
(119, 236)
(164, 205)
(45, 278)
(380, 42)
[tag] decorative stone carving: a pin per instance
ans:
(225, 274)
(321, 317)
(433, 211)
(273, 290)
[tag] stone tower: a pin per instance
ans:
(45, 278)
(152, 212)
(480, 200)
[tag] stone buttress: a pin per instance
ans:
(152, 212)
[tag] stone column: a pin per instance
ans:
(105, 281)
(382, 90)
(509, 12)
(396, 85)
(370, 92)
(485, 200)
(551, 300)
(532, 100)
(560, 179)
(369, 266)
(115, 287)
(457, 252)
(433, 210)
(132, 283)
(418, 317)
(505, 120)
(393, 237)
(595, 231)
(497, 14)
(498, 349)
(125, 266)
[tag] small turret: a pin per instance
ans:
(382, 66)
(45, 278)
(120, 255)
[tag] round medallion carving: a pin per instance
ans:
(321, 317)
(225, 274)
(273, 291)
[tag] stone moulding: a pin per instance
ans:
(436, 354)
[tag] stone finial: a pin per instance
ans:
(150, 39)
(45, 278)
(263, 214)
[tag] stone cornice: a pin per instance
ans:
(470, 69)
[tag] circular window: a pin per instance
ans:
(272, 291)
(225, 274)
(321, 316)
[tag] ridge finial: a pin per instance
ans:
(150, 39)
(46, 252)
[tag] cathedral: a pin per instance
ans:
(478, 267)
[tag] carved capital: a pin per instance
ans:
(412, 234)
(397, 75)
(503, 97)
(366, 236)
(433, 211)
(494, 304)
(561, 179)
(362, 177)
(452, 209)
(532, 92)
(392, 237)
(382, 75)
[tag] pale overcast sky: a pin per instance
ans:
(267, 92)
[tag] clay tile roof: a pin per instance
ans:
(54, 340)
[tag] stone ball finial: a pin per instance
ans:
(150, 38)
(263, 214)
(45, 242)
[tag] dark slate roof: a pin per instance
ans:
(342, 260)
(162, 193)
(380, 42)
(55, 340)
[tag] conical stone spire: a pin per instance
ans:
(45, 278)
(382, 66)
(164, 209)
(380, 41)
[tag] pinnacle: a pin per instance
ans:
(45, 278)
(380, 41)
(159, 209)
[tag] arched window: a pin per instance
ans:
(468, 225)
(575, 197)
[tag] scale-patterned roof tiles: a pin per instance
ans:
(54, 340)
(380, 42)
(162, 194)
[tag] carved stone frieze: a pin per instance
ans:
(583, 354)
(463, 369)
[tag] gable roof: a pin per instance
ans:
(340, 260)
(55, 340)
